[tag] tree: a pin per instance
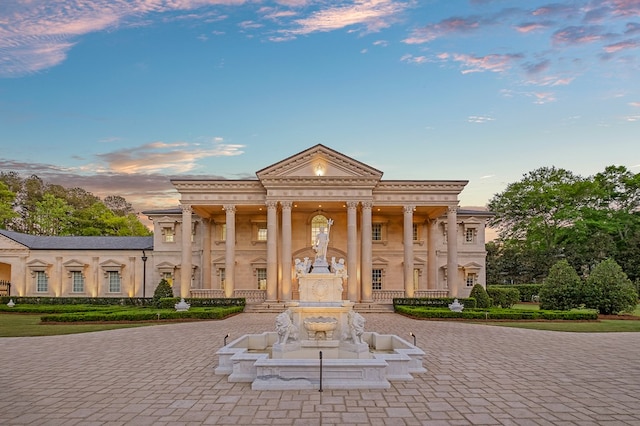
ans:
(482, 297)
(51, 216)
(6, 205)
(562, 288)
(609, 290)
(162, 291)
(118, 205)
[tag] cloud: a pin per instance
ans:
(410, 59)
(373, 15)
(493, 62)
(635, 104)
(38, 34)
(480, 119)
(155, 157)
(578, 35)
(622, 45)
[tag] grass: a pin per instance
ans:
(601, 326)
(23, 325)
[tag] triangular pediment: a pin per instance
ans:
(319, 162)
(9, 244)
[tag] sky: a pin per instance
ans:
(119, 96)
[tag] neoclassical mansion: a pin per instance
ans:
(243, 238)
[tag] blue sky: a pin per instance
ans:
(119, 96)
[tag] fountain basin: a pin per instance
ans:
(320, 328)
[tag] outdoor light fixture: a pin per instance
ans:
(144, 274)
(414, 338)
(225, 339)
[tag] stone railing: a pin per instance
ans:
(206, 293)
(431, 294)
(386, 296)
(251, 296)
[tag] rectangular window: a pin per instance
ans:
(261, 273)
(262, 233)
(114, 281)
(472, 279)
(415, 232)
(470, 235)
(223, 232)
(168, 235)
(376, 232)
(376, 279)
(223, 277)
(77, 282)
(42, 282)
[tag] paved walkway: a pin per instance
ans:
(477, 374)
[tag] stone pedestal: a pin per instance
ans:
(323, 287)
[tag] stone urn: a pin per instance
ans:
(320, 328)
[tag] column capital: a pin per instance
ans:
(452, 209)
(186, 208)
(367, 204)
(286, 204)
(229, 208)
(352, 204)
(271, 204)
(408, 208)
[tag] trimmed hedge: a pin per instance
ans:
(503, 297)
(170, 302)
(140, 315)
(442, 302)
(497, 314)
(54, 309)
(528, 292)
(122, 301)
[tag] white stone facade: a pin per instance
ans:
(240, 238)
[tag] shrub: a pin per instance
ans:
(497, 314)
(482, 297)
(561, 289)
(609, 290)
(442, 302)
(503, 297)
(528, 292)
(163, 290)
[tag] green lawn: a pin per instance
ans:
(602, 326)
(21, 325)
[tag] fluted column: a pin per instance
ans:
(353, 291)
(432, 267)
(452, 251)
(286, 249)
(366, 267)
(408, 250)
(206, 253)
(186, 265)
(230, 250)
(272, 251)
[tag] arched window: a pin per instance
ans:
(318, 222)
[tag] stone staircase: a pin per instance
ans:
(277, 307)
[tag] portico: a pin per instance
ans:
(399, 238)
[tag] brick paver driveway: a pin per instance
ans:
(477, 374)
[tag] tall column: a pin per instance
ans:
(185, 266)
(452, 251)
(230, 250)
(352, 251)
(432, 267)
(272, 251)
(286, 250)
(206, 254)
(408, 250)
(366, 267)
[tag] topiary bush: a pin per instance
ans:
(562, 288)
(482, 297)
(609, 290)
(163, 291)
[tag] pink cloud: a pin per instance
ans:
(493, 62)
(622, 45)
(578, 35)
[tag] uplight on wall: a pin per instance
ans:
(319, 169)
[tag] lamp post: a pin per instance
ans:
(144, 273)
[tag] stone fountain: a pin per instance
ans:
(319, 329)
